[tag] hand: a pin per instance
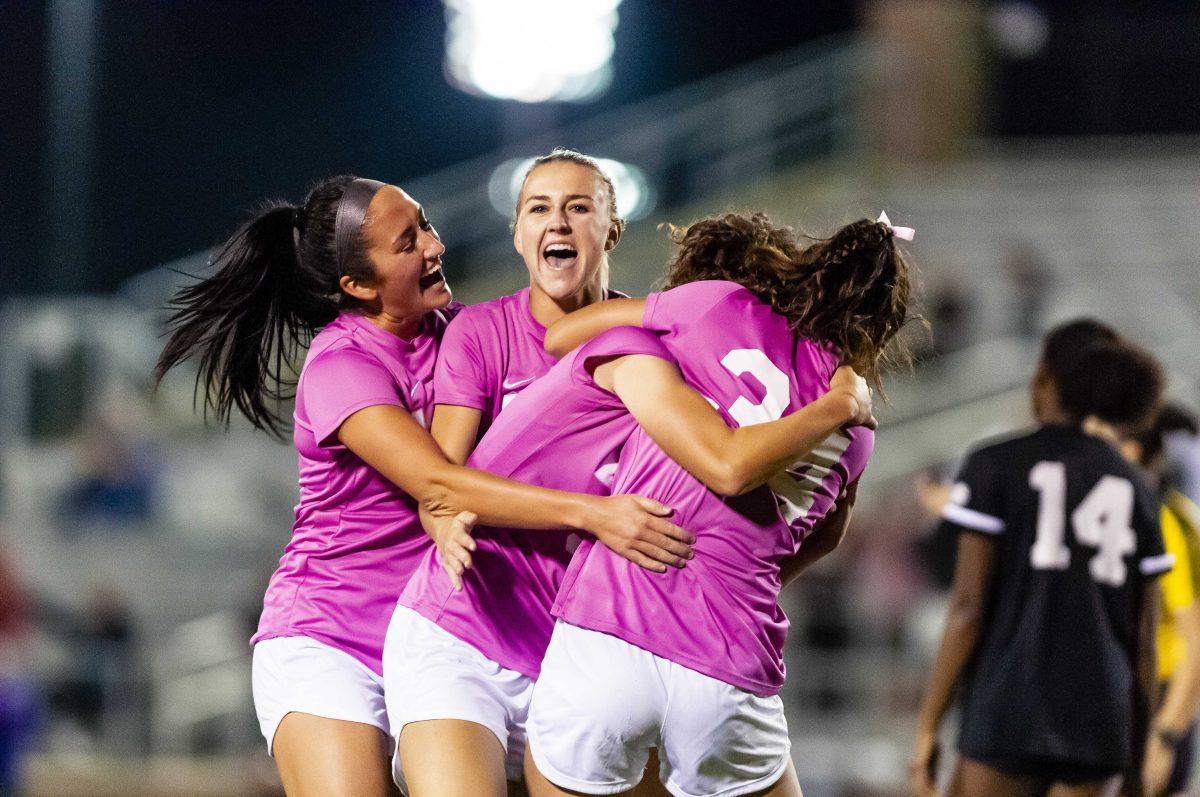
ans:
(847, 382)
(922, 773)
(1157, 766)
(634, 527)
(451, 534)
(932, 495)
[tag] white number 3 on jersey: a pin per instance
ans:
(1102, 521)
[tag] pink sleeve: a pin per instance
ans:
(460, 376)
(667, 310)
(616, 342)
(339, 383)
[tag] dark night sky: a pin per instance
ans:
(205, 107)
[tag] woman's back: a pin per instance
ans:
(719, 615)
(1077, 539)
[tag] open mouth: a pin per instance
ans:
(560, 255)
(431, 279)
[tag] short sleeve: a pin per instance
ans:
(616, 342)
(339, 383)
(1154, 558)
(975, 501)
(460, 376)
(667, 310)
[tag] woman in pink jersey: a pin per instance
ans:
(691, 662)
(565, 224)
(359, 261)
(460, 664)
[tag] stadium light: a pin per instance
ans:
(531, 50)
(635, 195)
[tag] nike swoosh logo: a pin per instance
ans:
(521, 383)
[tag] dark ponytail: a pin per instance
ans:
(850, 290)
(276, 284)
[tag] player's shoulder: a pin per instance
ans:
(489, 315)
(339, 348)
(336, 338)
(708, 292)
(1003, 447)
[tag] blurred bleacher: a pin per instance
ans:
(1110, 223)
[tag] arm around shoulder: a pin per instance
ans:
(577, 328)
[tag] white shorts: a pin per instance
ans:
(601, 703)
(430, 674)
(296, 673)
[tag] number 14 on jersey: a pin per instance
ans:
(1103, 520)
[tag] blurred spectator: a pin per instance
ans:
(115, 483)
(1031, 281)
(18, 695)
(886, 569)
(102, 689)
(950, 310)
(1182, 449)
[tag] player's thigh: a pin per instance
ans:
(1094, 788)
(976, 779)
(537, 785)
(720, 739)
(452, 758)
(651, 786)
(321, 756)
(596, 712)
(445, 690)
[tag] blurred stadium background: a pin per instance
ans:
(1048, 154)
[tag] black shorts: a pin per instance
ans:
(1185, 758)
(1051, 770)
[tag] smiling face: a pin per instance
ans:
(564, 231)
(406, 252)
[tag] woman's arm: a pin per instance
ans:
(388, 439)
(968, 597)
(577, 328)
(728, 461)
(456, 430)
(825, 537)
(1180, 704)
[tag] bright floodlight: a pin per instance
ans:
(531, 50)
(635, 196)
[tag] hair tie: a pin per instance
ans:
(903, 233)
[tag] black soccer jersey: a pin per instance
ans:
(1077, 539)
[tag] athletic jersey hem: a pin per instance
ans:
(461, 401)
(316, 636)
(757, 688)
(972, 519)
(1157, 565)
(999, 758)
(434, 614)
(323, 437)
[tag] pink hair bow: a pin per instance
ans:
(903, 233)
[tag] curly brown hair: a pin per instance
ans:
(850, 290)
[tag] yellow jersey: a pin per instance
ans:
(1180, 585)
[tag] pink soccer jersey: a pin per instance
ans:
(491, 352)
(563, 432)
(356, 538)
(719, 615)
